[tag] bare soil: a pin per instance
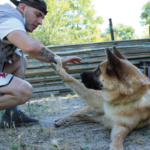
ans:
(81, 136)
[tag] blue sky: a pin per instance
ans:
(126, 12)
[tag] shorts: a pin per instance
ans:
(5, 78)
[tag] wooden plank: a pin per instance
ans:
(52, 88)
(32, 60)
(51, 83)
(37, 64)
(34, 72)
(99, 44)
(44, 94)
(48, 78)
(101, 51)
(45, 83)
(87, 60)
(137, 61)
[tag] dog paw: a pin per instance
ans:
(63, 122)
(58, 60)
(116, 147)
(58, 65)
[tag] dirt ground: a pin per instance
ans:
(81, 136)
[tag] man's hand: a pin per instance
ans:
(13, 57)
(72, 59)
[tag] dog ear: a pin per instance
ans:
(117, 53)
(112, 60)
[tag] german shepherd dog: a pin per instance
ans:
(116, 90)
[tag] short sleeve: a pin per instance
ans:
(10, 25)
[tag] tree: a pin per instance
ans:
(145, 16)
(146, 32)
(69, 22)
(105, 36)
(121, 32)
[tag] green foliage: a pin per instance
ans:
(121, 32)
(124, 32)
(69, 22)
(69, 96)
(105, 36)
(145, 16)
(145, 33)
(15, 145)
(41, 130)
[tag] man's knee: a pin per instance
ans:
(24, 92)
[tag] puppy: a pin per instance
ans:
(116, 90)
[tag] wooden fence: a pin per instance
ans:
(44, 80)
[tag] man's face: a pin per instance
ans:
(34, 18)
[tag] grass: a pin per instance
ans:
(16, 144)
(34, 108)
(69, 96)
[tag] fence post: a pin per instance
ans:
(111, 29)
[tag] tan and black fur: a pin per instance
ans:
(116, 90)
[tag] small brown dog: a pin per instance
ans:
(117, 90)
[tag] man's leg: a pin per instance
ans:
(16, 70)
(16, 93)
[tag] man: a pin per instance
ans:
(13, 26)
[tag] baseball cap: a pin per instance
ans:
(38, 4)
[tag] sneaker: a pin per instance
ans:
(18, 119)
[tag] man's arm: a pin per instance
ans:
(31, 46)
